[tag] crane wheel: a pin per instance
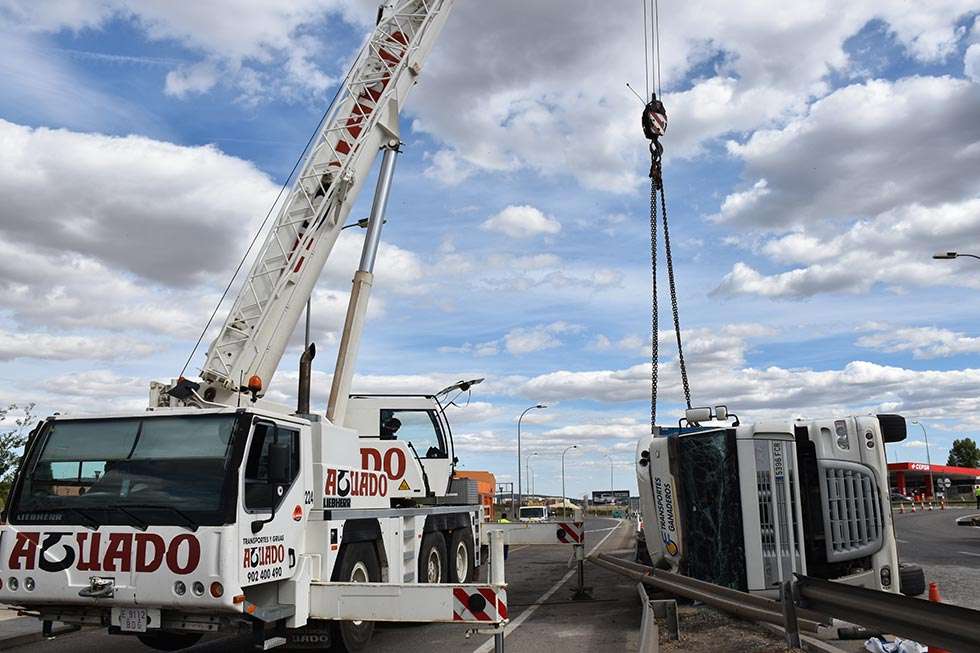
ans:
(461, 567)
(433, 559)
(358, 564)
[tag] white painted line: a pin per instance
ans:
(524, 616)
(602, 530)
(901, 541)
(969, 553)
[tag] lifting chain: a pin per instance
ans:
(654, 123)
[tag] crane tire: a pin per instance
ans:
(358, 564)
(433, 559)
(461, 567)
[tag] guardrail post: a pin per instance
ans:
(666, 609)
(789, 615)
(496, 578)
(581, 593)
(649, 634)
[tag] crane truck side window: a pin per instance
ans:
(262, 489)
(420, 427)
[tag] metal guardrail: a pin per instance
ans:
(937, 624)
(812, 603)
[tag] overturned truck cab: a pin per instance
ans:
(747, 506)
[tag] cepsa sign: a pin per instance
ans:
(139, 552)
(342, 484)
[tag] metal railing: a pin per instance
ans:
(811, 605)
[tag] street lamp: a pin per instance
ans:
(611, 488)
(519, 489)
(932, 487)
(527, 462)
(574, 446)
(944, 256)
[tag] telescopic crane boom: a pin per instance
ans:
(362, 121)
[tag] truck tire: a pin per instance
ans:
(911, 579)
(461, 567)
(358, 564)
(169, 641)
(433, 563)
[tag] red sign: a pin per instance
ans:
(140, 552)
(392, 462)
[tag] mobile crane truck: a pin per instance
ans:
(216, 510)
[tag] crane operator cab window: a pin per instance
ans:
(420, 427)
(271, 467)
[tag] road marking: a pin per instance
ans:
(602, 530)
(969, 553)
(901, 541)
(524, 616)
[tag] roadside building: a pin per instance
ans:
(913, 479)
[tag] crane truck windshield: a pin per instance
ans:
(135, 471)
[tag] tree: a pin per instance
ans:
(964, 453)
(13, 437)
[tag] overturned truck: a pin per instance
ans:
(747, 506)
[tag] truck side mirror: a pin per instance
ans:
(280, 454)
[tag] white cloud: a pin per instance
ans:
(922, 342)
(522, 222)
(861, 151)
(111, 198)
(564, 113)
(971, 63)
(893, 248)
(65, 347)
(193, 79)
(446, 167)
(241, 39)
(525, 340)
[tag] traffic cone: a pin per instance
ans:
(901, 508)
(913, 506)
(942, 504)
(935, 598)
(930, 505)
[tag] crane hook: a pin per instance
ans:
(654, 121)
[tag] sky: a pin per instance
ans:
(818, 153)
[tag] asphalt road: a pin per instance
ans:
(543, 616)
(949, 554)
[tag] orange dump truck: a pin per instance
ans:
(476, 487)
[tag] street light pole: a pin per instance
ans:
(563, 499)
(932, 485)
(527, 463)
(611, 485)
(942, 256)
(519, 487)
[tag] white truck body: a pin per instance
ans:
(747, 506)
(171, 514)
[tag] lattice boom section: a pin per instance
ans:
(309, 219)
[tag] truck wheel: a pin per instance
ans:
(461, 556)
(911, 579)
(433, 567)
(169, 641)
(358, 564)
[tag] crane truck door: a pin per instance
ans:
(275, 498)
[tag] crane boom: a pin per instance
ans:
(362, 119)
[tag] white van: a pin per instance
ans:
(532, 513)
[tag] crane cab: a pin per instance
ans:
(408, 438)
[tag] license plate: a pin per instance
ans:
(132, 620)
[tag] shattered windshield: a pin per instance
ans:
(158, 465)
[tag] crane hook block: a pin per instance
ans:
(654, 119)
